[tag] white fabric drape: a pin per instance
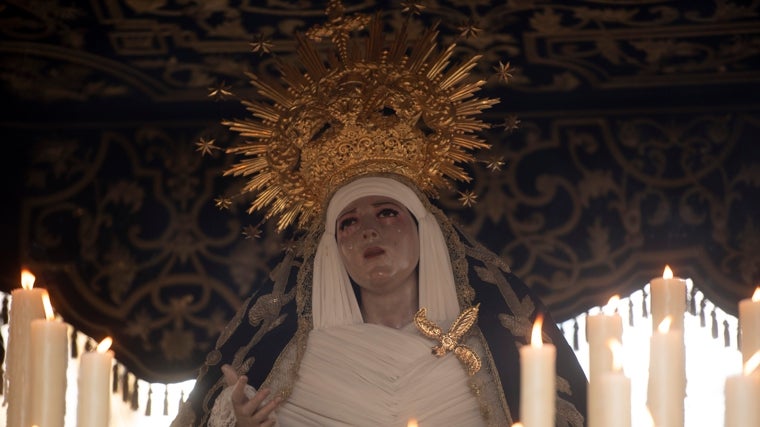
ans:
(371, 375)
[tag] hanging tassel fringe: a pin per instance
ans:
(576, 345)
(2, 357)
(693, 301)
(74, 346)
(166, 400)
(726, 335)
(644, 311)
(115, 379)
(702, 321)
(630, 312)
(134, 403)
(125, 387)
(4, 319)
(150, 401)
(4, 312)
(739, 339)
(714, 323)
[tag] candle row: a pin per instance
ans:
(37, 356)
(666, 388)
(36, 364)
(609, 391)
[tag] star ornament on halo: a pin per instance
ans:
(511, 123)
(252, 232)
(223, 202)
(261, 44)
(494, 164)
(503, 72)
(206, 146)
(470, 30)
(220, 92)
(413, 7)
(468, 198)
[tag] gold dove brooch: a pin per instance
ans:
(450, 341)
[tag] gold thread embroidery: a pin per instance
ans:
(451, 340)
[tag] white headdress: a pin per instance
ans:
(333, 299)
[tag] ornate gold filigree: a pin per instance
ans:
(355, 107)
(450, 341)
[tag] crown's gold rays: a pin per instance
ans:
(352, 109)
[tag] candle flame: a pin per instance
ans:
(104, 345)
(49, 314)
(756, 295)
(27, 279)
(664, 326)
(535, 337)
(667, 273)
(617, 353)
(752, 363)
(611, 306)
(412, 423)
(517, 425)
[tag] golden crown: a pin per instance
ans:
(359, 106)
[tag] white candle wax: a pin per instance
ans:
(94, 397)
(668, 298)
(749, 323)
(26, 305)
(49, 359)
(666, 389)
(614, 391)
(600, 329)
(742, 401)
(615, 408)
(537, 381)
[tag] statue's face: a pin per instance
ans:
(379, 243)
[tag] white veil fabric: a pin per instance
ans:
(333, 299)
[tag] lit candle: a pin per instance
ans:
(749, 323)
(600, 328)
(93, 404)
(668, 299)
(49, 359)
(537, 380)
(615, 392)
(26, 305)
(667, 376)
(743, 396)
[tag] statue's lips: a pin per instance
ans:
(373, 252)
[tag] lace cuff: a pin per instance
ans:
(223, 414)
